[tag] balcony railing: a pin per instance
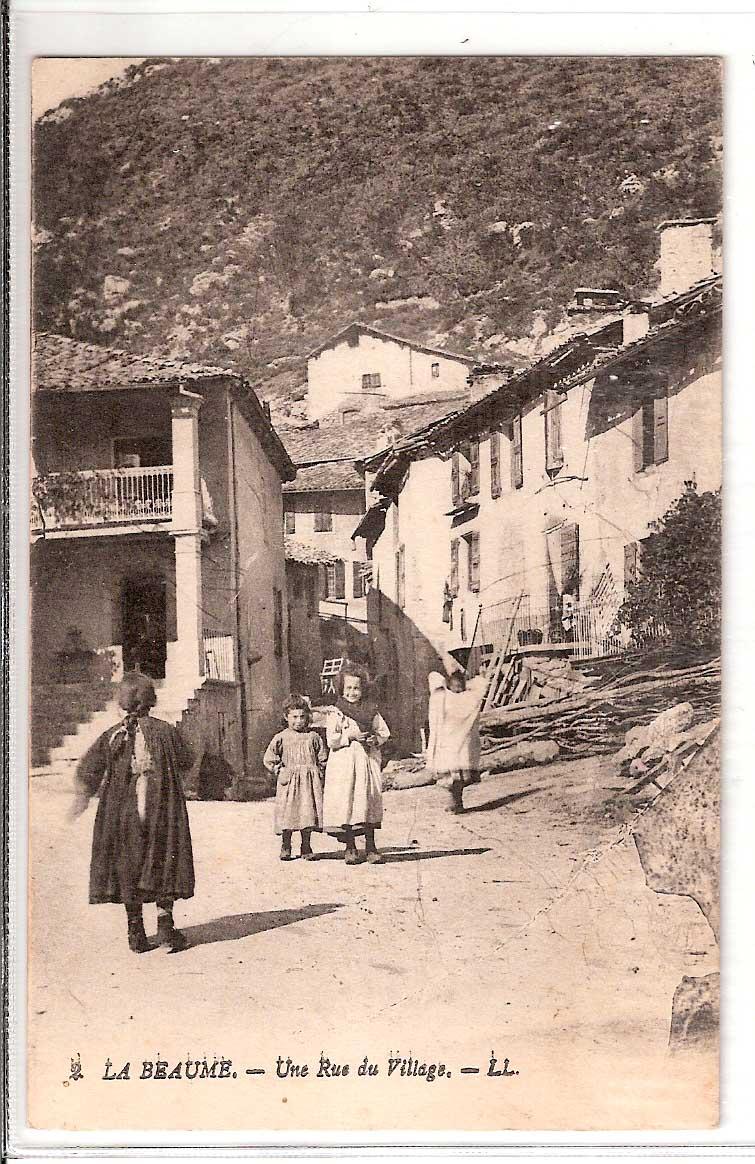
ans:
(95, 497)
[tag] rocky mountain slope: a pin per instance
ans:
(239, 210)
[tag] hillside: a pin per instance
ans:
(239, 210)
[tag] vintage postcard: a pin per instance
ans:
(375, 571)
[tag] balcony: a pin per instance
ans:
(94, 498)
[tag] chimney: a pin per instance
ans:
(686, 253)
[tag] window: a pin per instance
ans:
(495, 464)
(358, 580)
(554, 453)
(472, 451)
(333, 580)
(465, 482)
(650, 432)
(453, 578)
(473, 562)
(463, 624)
(401, 577)
(435, 371)
(138, 452)
(323, 522)
(278, 623)
(289, 521)
(517, 462)
(370, 381)
(570, 560)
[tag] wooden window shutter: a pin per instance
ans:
(357, 580)
(340, 579)
(453, 581)
(517, 463)
(473, 456)
(322, 578)
(495, 464)
(570, 559)
(660, 429)
(289, 518)
(473, 573)
(455, 480)
(638, 440)
(554, 453)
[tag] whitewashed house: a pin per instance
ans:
(520, 519)
(362, 368)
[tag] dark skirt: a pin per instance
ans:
(136, 860)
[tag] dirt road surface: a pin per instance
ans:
(523, 929)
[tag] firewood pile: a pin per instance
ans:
(595, 721)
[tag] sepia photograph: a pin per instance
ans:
(375, 579)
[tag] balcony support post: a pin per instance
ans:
(186, 528)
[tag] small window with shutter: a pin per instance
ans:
(650, 432)
(323, 522)
(453, 578)
(357, 580)
(340, 579)
(570, 560)
(473, 562)
(289, 521)
(495, 464)
(517, 463)
(554, 453)
(472, 451)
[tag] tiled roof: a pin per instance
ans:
(312, 445)
(330, 475)
(306, 555)
(365, 328)
(587, 358)
(360, 438)
(61, 364)
(67, 365)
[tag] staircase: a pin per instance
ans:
(65, 719)
(68, 718)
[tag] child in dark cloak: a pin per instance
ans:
(296, 757)
(141, 845)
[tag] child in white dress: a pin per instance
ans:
(353, 800)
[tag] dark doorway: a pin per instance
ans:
(143, 622)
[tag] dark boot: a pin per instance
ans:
(138, 942)
(371, 853)
(351, 856)
(286, 845)
(306, 845)
(167, 934)
(456, 804)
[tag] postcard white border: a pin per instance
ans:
(162, 27)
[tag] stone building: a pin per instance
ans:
(156, 543)
(520, 519)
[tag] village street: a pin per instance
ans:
(527, 919)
